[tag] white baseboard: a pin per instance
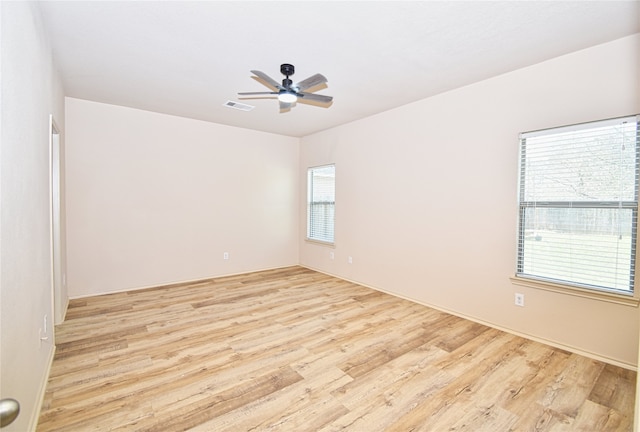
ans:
(177, 283)
(35, 415)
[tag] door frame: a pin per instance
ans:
(57, 239)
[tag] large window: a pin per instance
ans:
(321, 202)
(578, 196)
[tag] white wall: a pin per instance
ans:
(30, 92)
(154, 199)
(426, 200)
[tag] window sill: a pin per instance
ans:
(320, 242)
(626, 300)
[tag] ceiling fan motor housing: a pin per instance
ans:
(287, 69)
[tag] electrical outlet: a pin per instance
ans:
(225, 255)
(350, 260)
(332, 255)
(519, 300)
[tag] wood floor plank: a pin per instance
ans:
(573, 385)
(395, 374)
(614, 388)
(485, 418)
(596, 417)
(204, 409)
(305, 405)
(296, 350)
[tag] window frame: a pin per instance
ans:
(632, 297)
(309, 215)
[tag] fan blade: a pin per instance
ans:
(266, 78)
(312, 81)
(315, 97)
(257, 93)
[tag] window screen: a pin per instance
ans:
(578, 198)
(321, 203)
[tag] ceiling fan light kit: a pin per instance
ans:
(289, 93)
(287, 97)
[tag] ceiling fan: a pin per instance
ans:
(288, 92)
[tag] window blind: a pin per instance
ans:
(578, 199)
(321, 203)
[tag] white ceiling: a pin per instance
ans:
(188, 58)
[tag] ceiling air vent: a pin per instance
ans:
(238, 106)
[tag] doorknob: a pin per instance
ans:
(9, 410)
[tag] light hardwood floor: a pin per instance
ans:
(296, 350)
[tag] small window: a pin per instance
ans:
(578, 198)
(321, 202)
